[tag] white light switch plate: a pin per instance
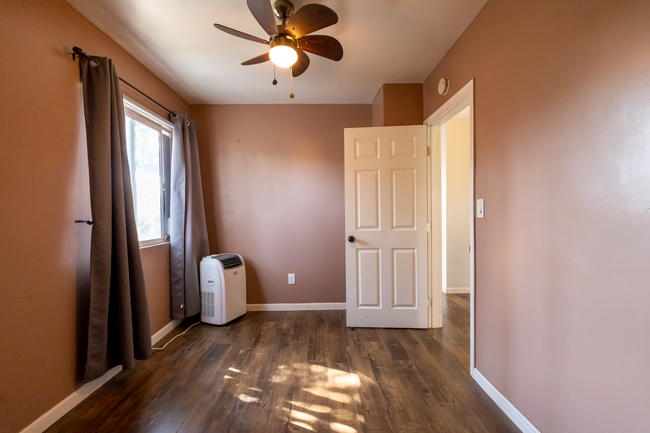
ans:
(292, 278)
(480, 209)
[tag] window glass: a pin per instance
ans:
(144, 148)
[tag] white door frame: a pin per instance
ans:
(463, 98)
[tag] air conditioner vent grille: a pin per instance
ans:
(230, 261)
(207, 304)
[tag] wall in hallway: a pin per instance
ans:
(458, 202)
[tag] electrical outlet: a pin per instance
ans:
(292, 278)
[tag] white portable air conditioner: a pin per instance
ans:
(223, 288)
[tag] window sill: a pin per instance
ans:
(152, 243)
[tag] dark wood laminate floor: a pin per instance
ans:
(299, 371)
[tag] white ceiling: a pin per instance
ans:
(384, 41)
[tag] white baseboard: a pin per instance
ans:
(296, 307)
(508, 408)
(164, 331)
(455, 290)
(65, 406)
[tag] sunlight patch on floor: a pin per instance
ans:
(325, 398)
(311, 407)
(303, 425)
(302, 415)
(248, 399)
(281, 375)
(323, 392)
(341, 428)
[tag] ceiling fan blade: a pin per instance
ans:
(263, 13)
(310, 18)
(241, 34)
(321, 45)
(301, 64)
(259, 59)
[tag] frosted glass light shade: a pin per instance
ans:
(283, 56)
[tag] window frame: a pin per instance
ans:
(165, 128)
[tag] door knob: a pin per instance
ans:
(351, 239)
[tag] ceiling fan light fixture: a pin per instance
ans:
(282, 52)
(283, 56)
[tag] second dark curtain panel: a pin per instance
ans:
(187, 227)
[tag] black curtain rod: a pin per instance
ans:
(148, 97)
(76, 51)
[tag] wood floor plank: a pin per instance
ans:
(372, 404)
(299, 371)
(212, 371)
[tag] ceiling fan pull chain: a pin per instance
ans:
(274, 80)
(291, 73)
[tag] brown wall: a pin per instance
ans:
(562, 100)
(155, 261)
(273, 185)
(398, 104)
(43, 189)
(403, 104)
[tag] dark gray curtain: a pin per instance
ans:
(187, 227)
(118, 328)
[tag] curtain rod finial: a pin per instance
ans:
(76, 51)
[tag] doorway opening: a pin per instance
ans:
(456, 203)
(451, 199)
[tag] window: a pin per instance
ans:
(148, 141)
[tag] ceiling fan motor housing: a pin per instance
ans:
(283, 9)
(283, 39)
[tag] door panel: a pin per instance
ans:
(386, 271)
(367, 200)
(403, 148)
(404, 278)
(366, 149)
(369, 278)
(403, 202)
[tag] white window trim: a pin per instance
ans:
(160, 121)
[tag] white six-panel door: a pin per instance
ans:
(386, 213)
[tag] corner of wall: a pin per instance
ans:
(378, 108)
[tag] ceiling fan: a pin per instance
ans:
(289, 41)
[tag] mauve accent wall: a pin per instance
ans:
(273, 187)
(562, 98)
(43, 189)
